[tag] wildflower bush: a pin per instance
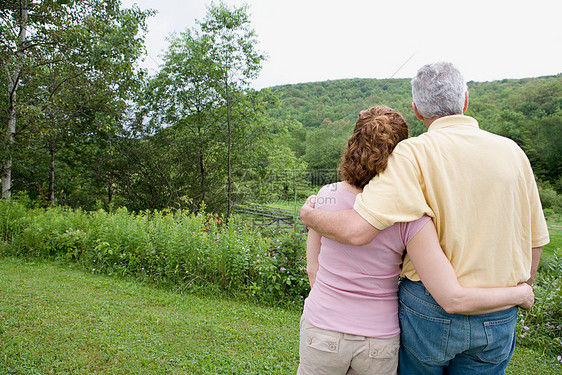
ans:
(179, 249)
(283, 268)
(542, 325)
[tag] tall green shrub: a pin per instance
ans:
(181, 249)
(542, 325)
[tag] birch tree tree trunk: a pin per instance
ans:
(229, 151)
(14, 78)
(236, 62)
(202, 169)
(52, 150)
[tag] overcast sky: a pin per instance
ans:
(318, 40)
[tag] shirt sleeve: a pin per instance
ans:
(395, 195)
(410, 229)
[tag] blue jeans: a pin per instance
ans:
(434, 342)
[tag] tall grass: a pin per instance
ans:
(178, 249)
(541, 327)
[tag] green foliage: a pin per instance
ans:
(542, 325)
(196, 133)
(281, 176)
(527, 111)
(79, 70)
(209, 139)
(180, 249)
(283, 269)
(551, 201)
(324, 148)
(312, 103)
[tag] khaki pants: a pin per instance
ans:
(335, 353)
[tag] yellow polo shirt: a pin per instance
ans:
(479, 189)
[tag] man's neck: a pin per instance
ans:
(428, 121)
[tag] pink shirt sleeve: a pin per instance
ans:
(410, 229)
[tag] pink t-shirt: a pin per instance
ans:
(356, 288)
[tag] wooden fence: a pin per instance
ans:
(267, 216)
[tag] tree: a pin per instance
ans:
(182, 94)
(78, 65)
(540, 104)
(14, 18)
(286, 177)
(236, 62)
(202, 97)
(90, 85)
(324, 148)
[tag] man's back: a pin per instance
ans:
(480, 190)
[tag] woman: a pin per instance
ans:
(350, 319)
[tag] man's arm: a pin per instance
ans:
(536, 257)
(345, 226)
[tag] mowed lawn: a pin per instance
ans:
(555, 231)
(57, 319)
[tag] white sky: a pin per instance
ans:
(318, 40)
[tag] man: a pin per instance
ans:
(481, 193)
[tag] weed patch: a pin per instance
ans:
(180, 250)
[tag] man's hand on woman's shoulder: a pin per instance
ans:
(306, 209)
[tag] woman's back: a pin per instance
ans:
(356, 286)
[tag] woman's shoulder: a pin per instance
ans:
(329, 188)
(337, 189)
(335, 196)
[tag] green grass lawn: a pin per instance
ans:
(287, 205)
(56, 319)
(555, 231)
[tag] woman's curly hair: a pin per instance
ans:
(377, 131)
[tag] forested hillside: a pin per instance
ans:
(312, 103)
(525, 110)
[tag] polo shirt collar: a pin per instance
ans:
(453, 121)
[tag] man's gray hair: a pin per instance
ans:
(439, 90)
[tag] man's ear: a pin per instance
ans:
(465, 102)
(417, 112)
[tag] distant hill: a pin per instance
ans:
(525, 110)
(312, 103)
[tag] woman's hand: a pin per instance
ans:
(528, 296)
